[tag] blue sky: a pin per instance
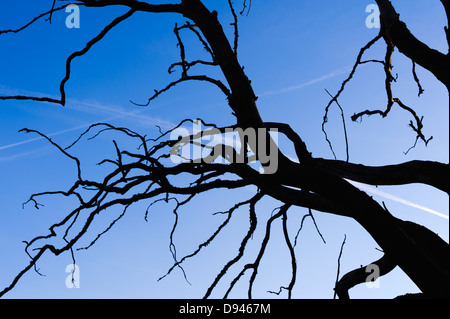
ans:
(292, 51)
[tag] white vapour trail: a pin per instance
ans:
(305, 84)
(378, 192)
(96, 108)
(39, 138)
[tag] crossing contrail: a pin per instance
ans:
(89, 107)
(40, 137)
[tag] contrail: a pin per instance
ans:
(378, 192)
(92, 107)
(21, 155)
(314, 81)
(49, 135)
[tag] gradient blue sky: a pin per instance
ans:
(292, 51)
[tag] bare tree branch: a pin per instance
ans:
(339, 263)
(344, 127)
(69, 60)
(359, 276)
(416, 78)
(432, 60)
(235, 25)
(424, 172)
(135, 5)
(387, 63)
(34, 20)
(253, 223)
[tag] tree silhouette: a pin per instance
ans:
(318, 184)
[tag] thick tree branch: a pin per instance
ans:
(432, 60)
(359, 276)
(430, 173)
(383, 227)
(243, 98)
(303, 155)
